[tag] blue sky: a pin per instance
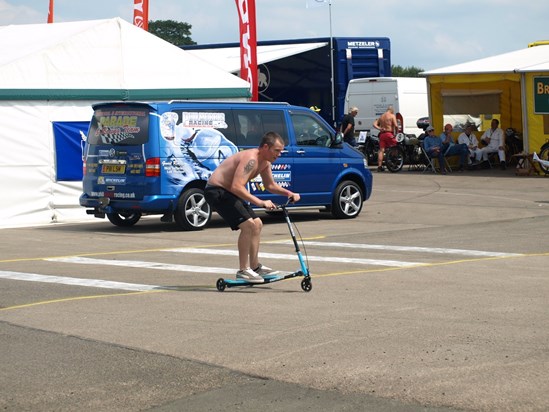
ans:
(424, 33)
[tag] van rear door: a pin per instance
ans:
(116, 163)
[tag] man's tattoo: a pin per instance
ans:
(249, 167)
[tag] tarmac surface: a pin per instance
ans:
(436, 298)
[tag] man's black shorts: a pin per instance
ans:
(232, 209)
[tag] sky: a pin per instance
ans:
(428, 34)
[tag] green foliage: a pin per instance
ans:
(177, 33)
(412, 71)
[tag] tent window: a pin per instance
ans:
(475, 105)
(462, 107)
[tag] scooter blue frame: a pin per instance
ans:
(306, 284)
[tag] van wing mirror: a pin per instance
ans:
(337, 139)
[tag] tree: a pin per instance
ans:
(175, 32)
(412, 71)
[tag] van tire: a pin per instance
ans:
(124, 219)
(347, 201)
(193, 212)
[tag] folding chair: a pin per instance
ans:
(430, 161)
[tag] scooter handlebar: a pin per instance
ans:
(288, 201)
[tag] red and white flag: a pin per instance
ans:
(141, 14)
(248, 44)
(50, 12)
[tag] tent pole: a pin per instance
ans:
(524, 107)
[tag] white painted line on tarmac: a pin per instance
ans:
(333, 259)
(465, 252)
(143, 265)
(95, 283)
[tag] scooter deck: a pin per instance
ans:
(271, 278)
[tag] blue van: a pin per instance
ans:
(155, 158)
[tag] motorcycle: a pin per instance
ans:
(544, 155)
(407, 150)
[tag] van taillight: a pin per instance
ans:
(152, 167)
(400, 122)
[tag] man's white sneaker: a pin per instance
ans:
(249, 276)
(263, 270)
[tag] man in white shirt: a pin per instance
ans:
(494, 141)
(469, 138)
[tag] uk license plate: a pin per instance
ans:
(113, 169)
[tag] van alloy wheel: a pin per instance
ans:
(193, 212)
(347, 201)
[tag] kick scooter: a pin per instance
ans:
(277, 276)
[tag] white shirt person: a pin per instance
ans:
(469, 138)
(494, 140)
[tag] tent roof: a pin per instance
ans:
(228, 58)
(104, 59)
(532, 59)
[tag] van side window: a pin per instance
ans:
(248, 127)
(274, 122)
(309, 132)
(251, 125)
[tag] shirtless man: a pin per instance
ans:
(387, 125)
(227, 194)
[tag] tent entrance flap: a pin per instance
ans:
(473, 102)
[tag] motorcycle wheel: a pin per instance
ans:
(370, 151)
(544, 155)
(394, 158)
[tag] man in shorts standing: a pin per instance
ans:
(387, 126)
(226, 192)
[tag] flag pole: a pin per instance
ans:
(332, 62)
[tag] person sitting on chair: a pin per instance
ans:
(494, 141)
(449, 148)
(468, 138)
(433, 147)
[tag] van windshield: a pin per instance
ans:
(122, 125)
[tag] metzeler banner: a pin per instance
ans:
(141, 14)
(248, 44)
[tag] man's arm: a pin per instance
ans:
(242, 175)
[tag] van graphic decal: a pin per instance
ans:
(194, 147)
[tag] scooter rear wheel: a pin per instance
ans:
(220, 285)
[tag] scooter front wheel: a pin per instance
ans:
(306, 284)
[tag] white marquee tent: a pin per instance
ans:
(53, 73)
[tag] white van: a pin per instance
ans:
(372, 96)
